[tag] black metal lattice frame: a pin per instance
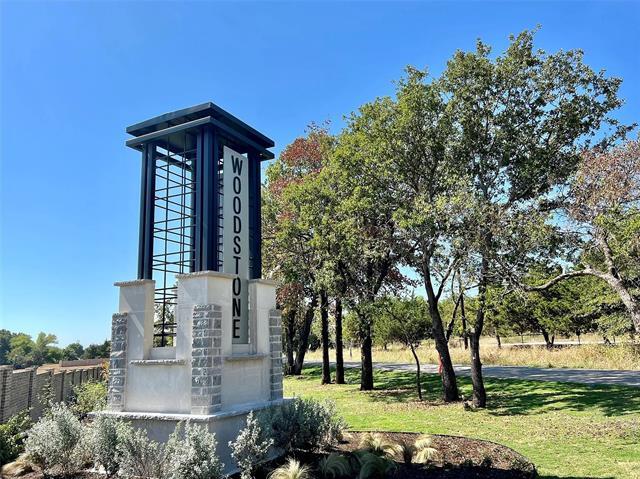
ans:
(174, 221)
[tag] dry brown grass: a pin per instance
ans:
(588, 356)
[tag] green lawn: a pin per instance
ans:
(567, 430)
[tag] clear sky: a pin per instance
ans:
(75, 74)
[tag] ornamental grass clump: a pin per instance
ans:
(424, 452)
(191, 453)
(334, 466)
(138, 456)
(302, 424)
(291, 470)
(52, 443)
(377, 444)
(250, 447)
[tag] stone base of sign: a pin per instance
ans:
(225, 425)
(203, 377)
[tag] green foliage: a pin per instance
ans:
(138, 456)
(191, 454)
(88, 397)
(104, 438)
(52, 443)
(372, 465)
(12, 436)
(291, 470)
(250, 447)
(333, 466)
(302, 424)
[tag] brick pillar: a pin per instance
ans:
(117, 362)
(32, 377)
(275, 346)
(206, 363)
(5, 386)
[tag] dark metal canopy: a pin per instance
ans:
(237, 134)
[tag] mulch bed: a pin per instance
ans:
(457, 458)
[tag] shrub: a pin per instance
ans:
(51, 442)
(250, 447)
(191, 454)
(377, 444)
(302, 424)
(12, 436)
(105, 434)
(424, 453)
(137, 455)
(334, 465)
(371, 465)
(291, 470)
(90, 396)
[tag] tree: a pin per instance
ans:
(97, 351)
(43, 350)
(361, 217)
(520, 122)
(410, 325)
(603, 222)
(5, 345)
(21, 350)
(73, 351)
(409, 157)
(289, 252)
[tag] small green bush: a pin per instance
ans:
(302, 424)
(90, 396)
(250, 447)
(191, 454)
(51, 442)
(12, 436)
(137, 456)
(105, 432)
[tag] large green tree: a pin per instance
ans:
(521, 120)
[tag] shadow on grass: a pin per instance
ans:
(505, 396)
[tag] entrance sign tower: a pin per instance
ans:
(197, 335)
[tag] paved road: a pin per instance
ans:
(585, 376)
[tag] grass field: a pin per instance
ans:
(589, 356)
(567, 430)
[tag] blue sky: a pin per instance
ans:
(75, 74)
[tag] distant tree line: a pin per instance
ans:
(506, 185)
(21, 350)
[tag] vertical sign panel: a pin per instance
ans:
(236, 238)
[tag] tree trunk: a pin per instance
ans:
(463, 318)
(632, 305)
(479, 392)
(499, 340)
(339, 344)
(366, 359)
(418, 382)
(324, 316)
(289, 331)
(548, 340)
(303, 343)
(449, 383)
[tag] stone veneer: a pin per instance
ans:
(206, 362)
(118, 362)
(275, 347)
